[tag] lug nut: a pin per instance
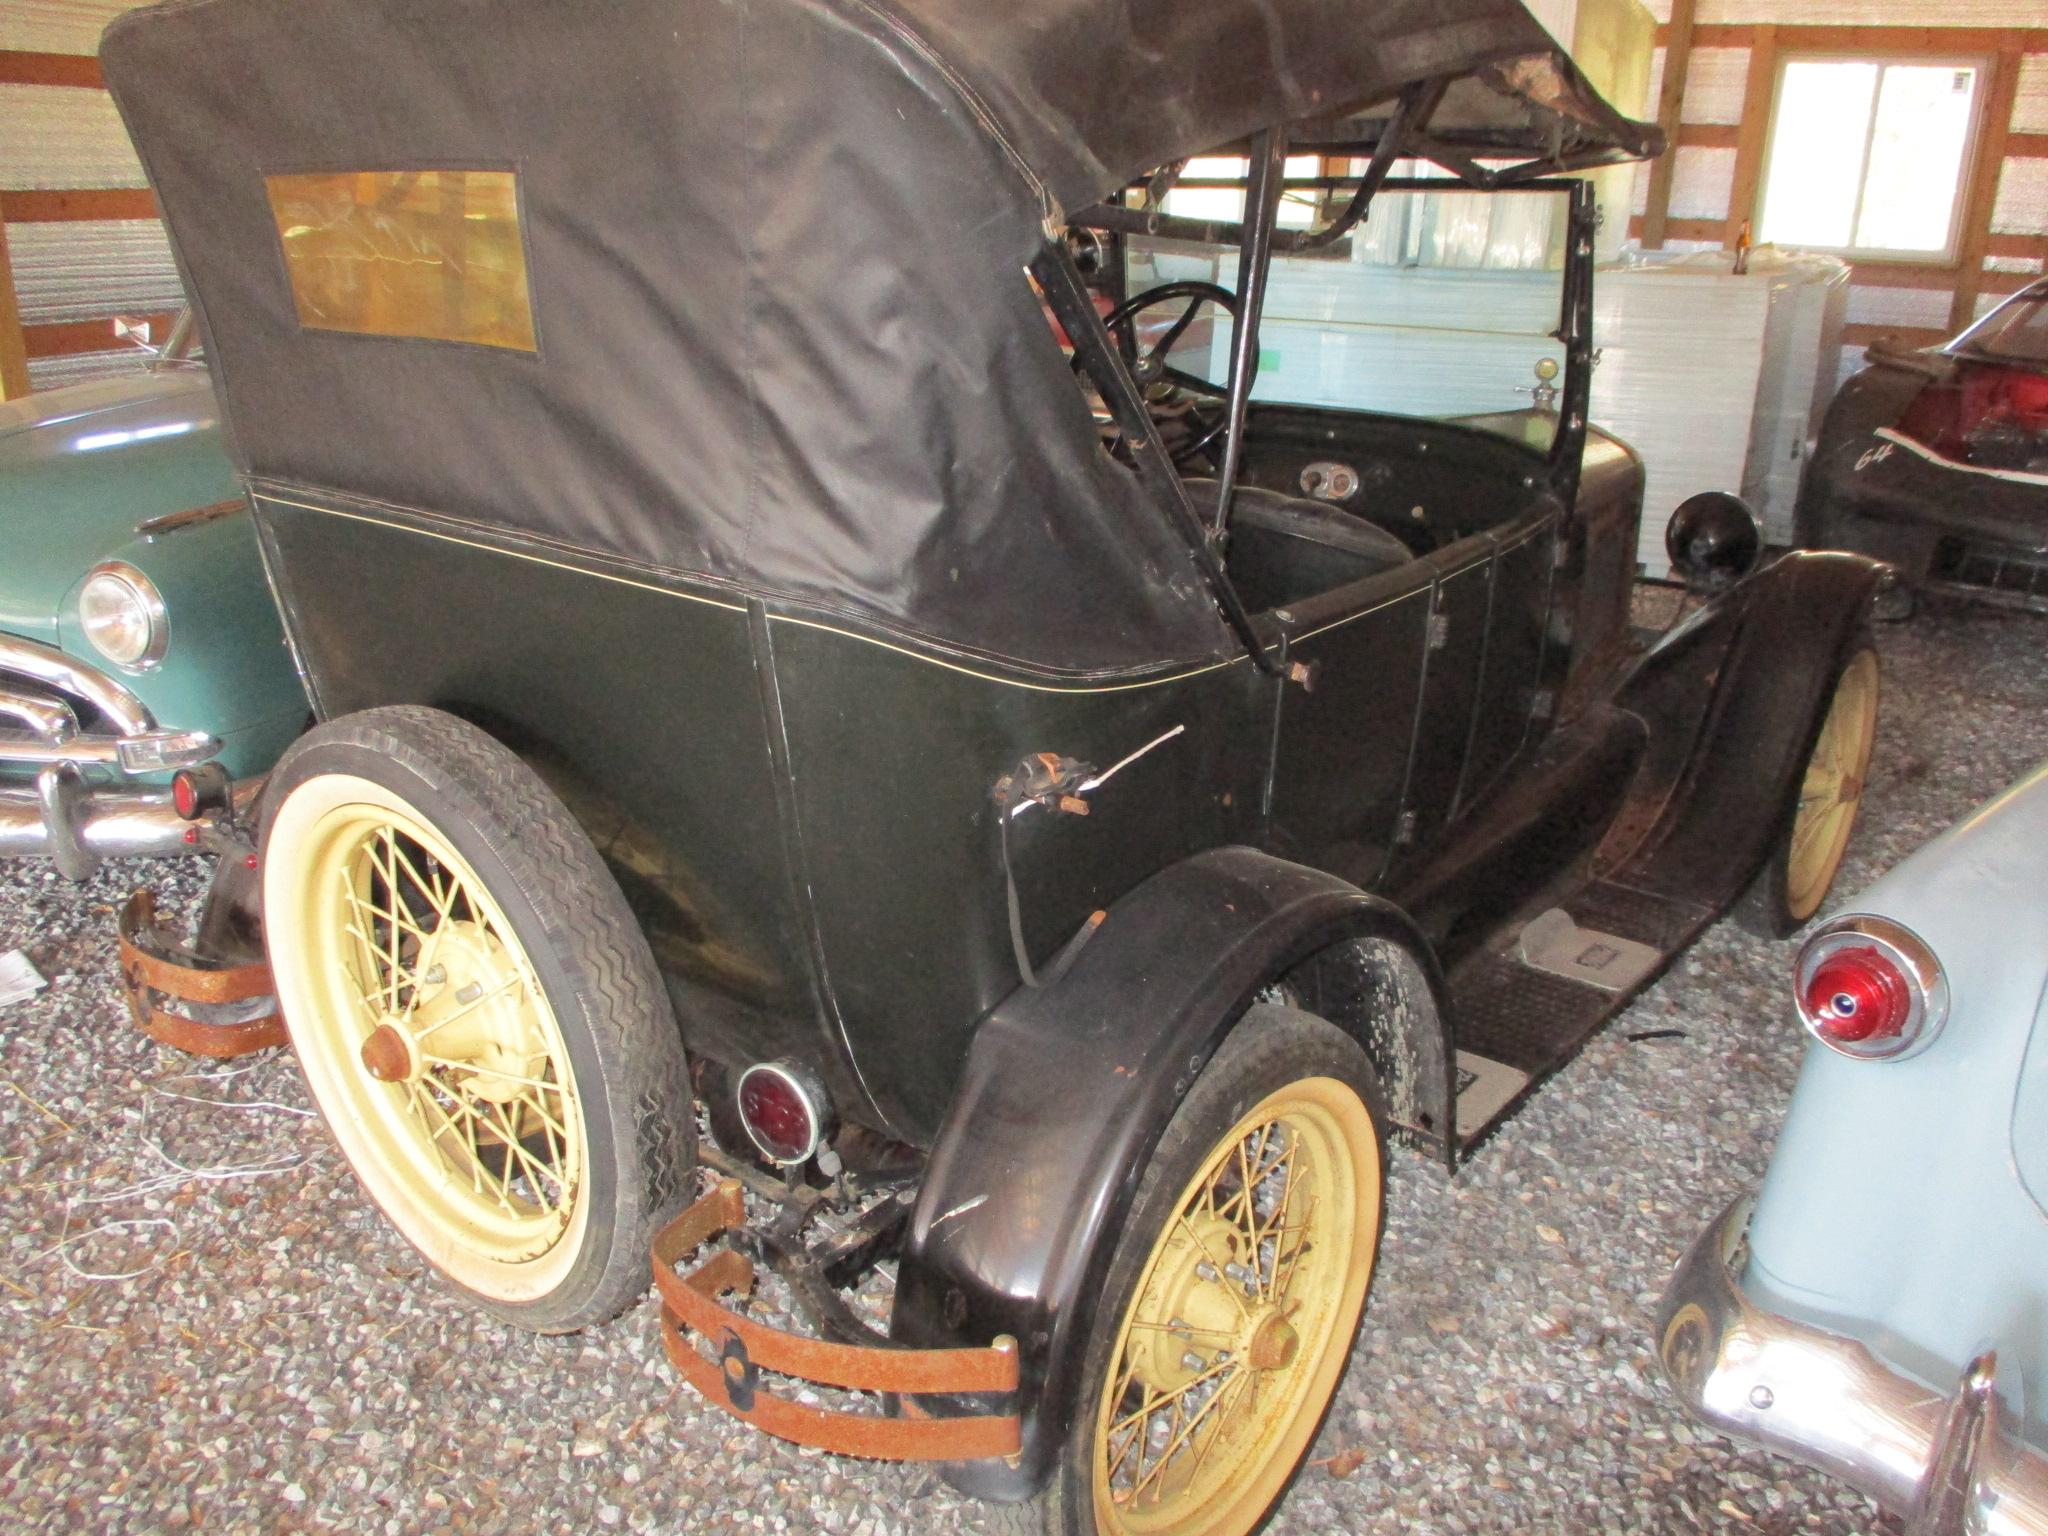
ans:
(1192, 1361)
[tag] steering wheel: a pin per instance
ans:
(1163, 385)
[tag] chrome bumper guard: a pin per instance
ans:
(730, 1378)
(58, 717)
(1949, 1465)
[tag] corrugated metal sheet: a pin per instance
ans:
(2030, 105)
(53, 372)
(2022, 206)
(61, 136)
(1702, 181)
(57, 26)
(86, 270)
(1900, 306)
(1714, 83)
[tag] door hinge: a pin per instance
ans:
(1404, 829)
(1439, 631)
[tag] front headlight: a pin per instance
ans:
(123, 616)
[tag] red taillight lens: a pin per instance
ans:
(1985, 415)
(1858, 994)
(784, 1110)
(196, 792)
(1869, 987)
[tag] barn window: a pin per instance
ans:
(1868, 156)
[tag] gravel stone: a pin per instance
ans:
(204, 1325)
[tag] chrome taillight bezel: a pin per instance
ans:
(1905, 949)
(809, 1089)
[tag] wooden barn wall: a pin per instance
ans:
(1702, 193)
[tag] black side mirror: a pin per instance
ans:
(1714, 540)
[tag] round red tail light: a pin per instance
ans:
(200, 791)
(1870, 988)
(785, 1111)
(1858, 994)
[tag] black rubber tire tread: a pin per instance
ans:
(1761, 910)
(626, 1051)
(1270, 1047)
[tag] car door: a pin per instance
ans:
(1347, 718)
(1509, 674)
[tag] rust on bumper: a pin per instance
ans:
(690, 1309)
(167, 985)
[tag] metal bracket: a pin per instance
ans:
(690, 1306)
(157, 970)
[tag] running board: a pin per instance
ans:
(1523, 1006)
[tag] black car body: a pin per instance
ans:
(1937, 461)
(944, 740)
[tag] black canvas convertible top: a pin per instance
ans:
(782, 335)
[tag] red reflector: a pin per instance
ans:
(185, 795)
(780, 1113)
(1858, 994)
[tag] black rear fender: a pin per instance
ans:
(1068, 1089)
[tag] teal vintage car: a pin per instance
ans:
(137, 634)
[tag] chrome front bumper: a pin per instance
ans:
(1947, 1464)
(60, 717)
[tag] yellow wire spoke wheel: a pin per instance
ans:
(1241, 1321)
(1832, 788)
(426, 1037)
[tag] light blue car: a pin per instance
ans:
(1880, 1309)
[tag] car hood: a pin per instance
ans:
(80, 466)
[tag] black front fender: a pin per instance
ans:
(1068, 1089)
(1732, 700)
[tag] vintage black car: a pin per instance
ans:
(1057, 814)
(1936, 460)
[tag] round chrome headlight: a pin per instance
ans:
(123, 615)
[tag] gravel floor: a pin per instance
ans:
(276, 1359)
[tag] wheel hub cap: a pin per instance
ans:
(465, 1011)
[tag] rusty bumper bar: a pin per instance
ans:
(188, 1001)
(690, 1309)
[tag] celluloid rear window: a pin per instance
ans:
(429, 254)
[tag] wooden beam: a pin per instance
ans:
(68, 338)
(20, 68)
(1750, 145)
(1682, 229)
(1670, 115)
(2032, 145)
(1932, 278)
(50, 207)
(1901, 274)
(2022, 246)
(1941, 41)
(1988, 164)
(13, 345)
(1709, 135)
(1860, 335)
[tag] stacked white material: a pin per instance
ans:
(1802, 345)
(1716, 380)
(1681, 351)
(1411, 341)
